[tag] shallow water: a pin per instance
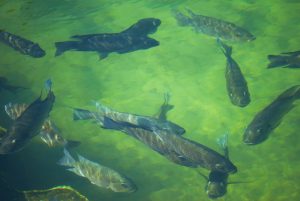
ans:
(188, 65)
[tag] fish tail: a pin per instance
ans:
(81, 114)
(67, 159)
(277, 61)
(72, 144)
(62, 47)
(227, 50)
(182, 19)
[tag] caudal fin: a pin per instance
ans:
(66, 160)
(277, 61)
(61, 47)
(81, 114)
(227, 50)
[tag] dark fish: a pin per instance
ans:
(270, 117)
(49, 133)
(285, 60)
(27, 125)
(213, 27)
(97, 174)
(236, 84)
(22, 45)
(4, 85)
(145, 122)
(132, 39)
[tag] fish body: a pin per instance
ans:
(27, 125)
(132, 39)
(236, 84)
(22, 45)
(97, 174)
(285, 60)
(270, 117)
(213, 27)
(145, 122)
(49, 133)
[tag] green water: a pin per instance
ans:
(188, 65)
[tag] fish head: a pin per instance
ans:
(256, 133)
(9, 144)
(215, 189)
(242, 35)
(148, 25)
(240, 98)
(37, 51)
(225, 167)
(124, 185)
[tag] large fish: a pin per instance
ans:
(22, 45)
(132, 39)
(270, 117)
(213, 27)
(4, 85)
(97, 174)
(236, 84)
(145, 122)
(27, 125)
(285, 60)
(49, 133)
(174, 147)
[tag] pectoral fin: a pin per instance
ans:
(102, 55)
(15, 110)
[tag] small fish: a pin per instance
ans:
(145, 122)
(22, 45)
(132, 39)
(213, 27)
(236, 84)
(4, 85)
(97, 174)
(285, 60)
(49, 133)
(271, 116)
(27, 125)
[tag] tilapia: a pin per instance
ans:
(22, 45)
(4, 85)
(213, 27)
(97, 174)
(271, 116)
(285, 60)
(236, 84)
(132, 39)
(49, 133)
(145, 122)
(27, 125)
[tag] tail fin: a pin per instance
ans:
(72, 144)
(81, 114)
(277, 61)
(223, 143)
(227, 50)
(165, 108)
(61, 47)
(66, 160)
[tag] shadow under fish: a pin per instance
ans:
(49, 132)
(5, 86)
(271, 116)
(21, 45)
(27, 125)
(236, 84)
(132, 39)
(285, 60)
(213, 26)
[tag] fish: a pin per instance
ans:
(145, 122)
(97, 174)
(269, 118)
(213, 27)
(21, 44)
(27, 125)
(49, 132)
(236, 84)
(5, 86)
(58, 193)
(132, 39)
(285, 60)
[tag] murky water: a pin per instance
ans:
(188, 65)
